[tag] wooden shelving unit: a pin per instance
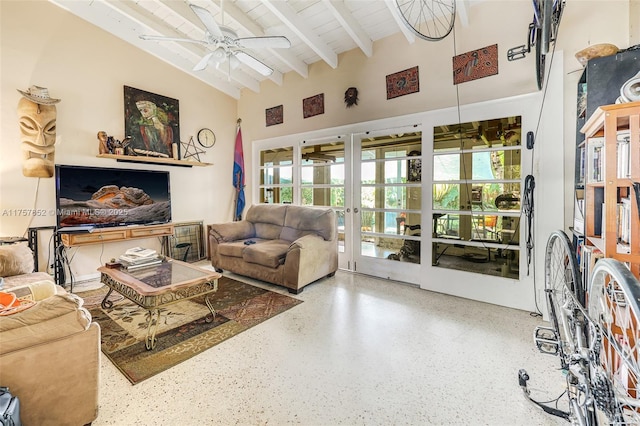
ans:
(121, 233)
(607, 189)
(153, 160)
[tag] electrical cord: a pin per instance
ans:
(528, 209)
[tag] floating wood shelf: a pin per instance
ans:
(153, 160)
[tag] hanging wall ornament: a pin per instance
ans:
(190, 151)
(351, 97)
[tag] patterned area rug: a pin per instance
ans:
(183, 331)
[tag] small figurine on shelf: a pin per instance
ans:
(125, 145)
(111, 144)
(103, 146)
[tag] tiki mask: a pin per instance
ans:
(37, 137)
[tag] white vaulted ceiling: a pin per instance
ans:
(319, 30)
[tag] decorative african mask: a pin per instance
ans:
(37, 119)
(351, 97)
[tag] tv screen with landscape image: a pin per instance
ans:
(101, 197)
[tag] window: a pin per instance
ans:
(477, 196)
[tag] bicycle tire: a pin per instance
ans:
(546, 13)
(562, 276)
(615, 341)
(540, 59)
(428, 19)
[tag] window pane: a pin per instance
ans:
(276, 175)
(485, 165)
(496, 165)
(326, 153)
(499, 229)
(391, 197)
(323, 196)
(389, 222)
(277, 156)
(495, 196)
(446, 196)
(276, 195)
(392, 248)
(481, 260)
(332, 174)
(478, 134)
(341, 242)
(446, 167)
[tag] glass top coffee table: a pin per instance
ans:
(157, 286)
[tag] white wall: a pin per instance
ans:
(42, 44)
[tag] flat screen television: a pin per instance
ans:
(103, 197)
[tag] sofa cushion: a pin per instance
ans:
(268, 253)
(267, 213)
(235, 248)
(15, 259)
(50, 319)
(301, 221)
(233, 231)
(268, 231)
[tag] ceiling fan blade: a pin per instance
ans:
(202, 64)
(253, 63)
(275, 42)
(163, 38)
(207, 20)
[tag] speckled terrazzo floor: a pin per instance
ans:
(358, 351)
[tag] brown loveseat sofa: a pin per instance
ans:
(50, 352)
(288, 245)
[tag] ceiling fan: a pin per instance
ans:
(224, 44)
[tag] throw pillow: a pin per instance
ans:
(15, 259)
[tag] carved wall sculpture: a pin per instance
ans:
(37, 119)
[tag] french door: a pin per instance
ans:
(387, 203)
(373, 182)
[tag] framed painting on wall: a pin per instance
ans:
(403, 83)
(313, 106)
(153, 123)
(475, 64)
(274, 115)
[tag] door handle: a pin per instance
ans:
(355, 210)
(348, 210)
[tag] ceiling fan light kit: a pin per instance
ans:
(224, 45)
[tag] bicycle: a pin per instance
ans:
(598, 346)
(542, 31)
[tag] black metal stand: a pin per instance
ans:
(58, 268)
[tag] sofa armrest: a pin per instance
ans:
(36, 291)
(50, 319)
(308, 259)
(232, 231)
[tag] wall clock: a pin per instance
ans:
(206, 138)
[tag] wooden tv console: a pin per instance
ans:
(119, 233)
